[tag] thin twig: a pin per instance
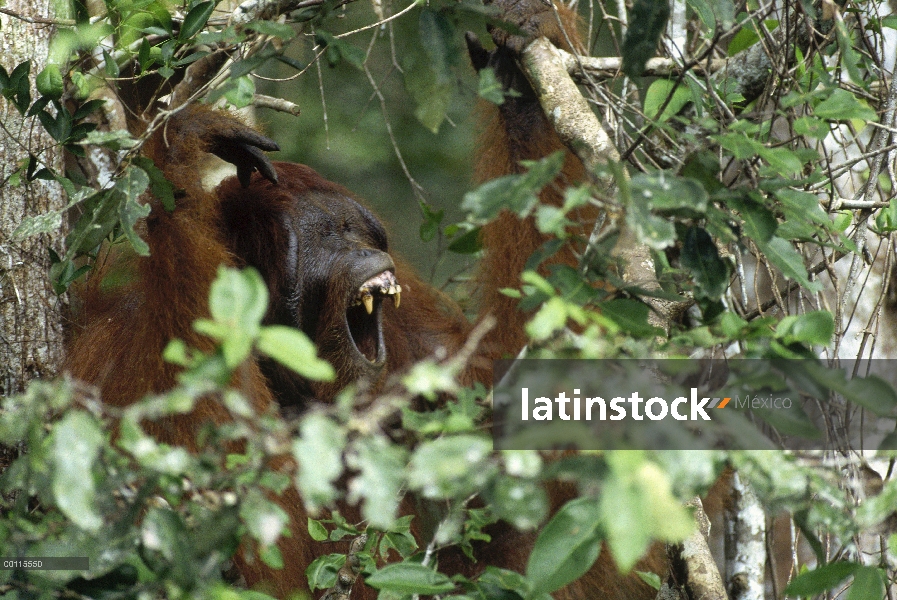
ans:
(278, 104)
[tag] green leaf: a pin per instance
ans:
(870, 392)
(339, 50)
(849, 57)
(657, 94)
(657, 233)
(740, 145)
(49, 82)
(566, 547)
(759, 222)
(790, 421)
(843, 106)
(400, 538)
(428, 73)
(783, 160)
(637, 503)
(815, 328)
(490, 88)
(271, 556)
(120, 139)
(316, 530)
(630, 315)
(58, 127)
(410, 578)
(714, 13)
(745, 38)
(240, 91)
(98, 219)
(195, 20)
(380, 466)
(783, 256)
(700, 257)
(703, 166)
(292, 348)
(131, 185)
(437, 34)
(238, 298)
(163, 531)
(48, 222)
(494, 582)
(517, 193)
(669, 193)
(451, 467)
(431, 95)
(144, 56)
(798, 205)
(885, 220)
(821, 579)
(521, 502)
(76, 441)
(160, 186)
(867, 583)
(238, 301)
(812, 127)
(110, 66)
(469, 242)
(322, 571)
(274, 29)
(652, 579)
(432, 218)
(550, 318)
(19, 86)
(264, 519)
(319, 452)
(647, 21)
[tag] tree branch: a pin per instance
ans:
(348, 573)
(692, 563)
(198, 74)
(607, 67)
(565, 107)
(581, 131)
(279, 104)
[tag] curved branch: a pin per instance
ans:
(565, 107)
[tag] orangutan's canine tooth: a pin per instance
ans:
(368, 300)
(396, 298)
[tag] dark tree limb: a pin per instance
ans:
(348, 573)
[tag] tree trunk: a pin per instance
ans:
(30, 312)
(745, 544)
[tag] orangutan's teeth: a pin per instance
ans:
(368, 300)
(397, 298)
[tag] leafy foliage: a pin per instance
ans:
(717, 181)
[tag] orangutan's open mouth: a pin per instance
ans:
(364, 315)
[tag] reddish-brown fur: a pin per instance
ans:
(118, 342)
(132, 307)
(515, 131)
(118, 339)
